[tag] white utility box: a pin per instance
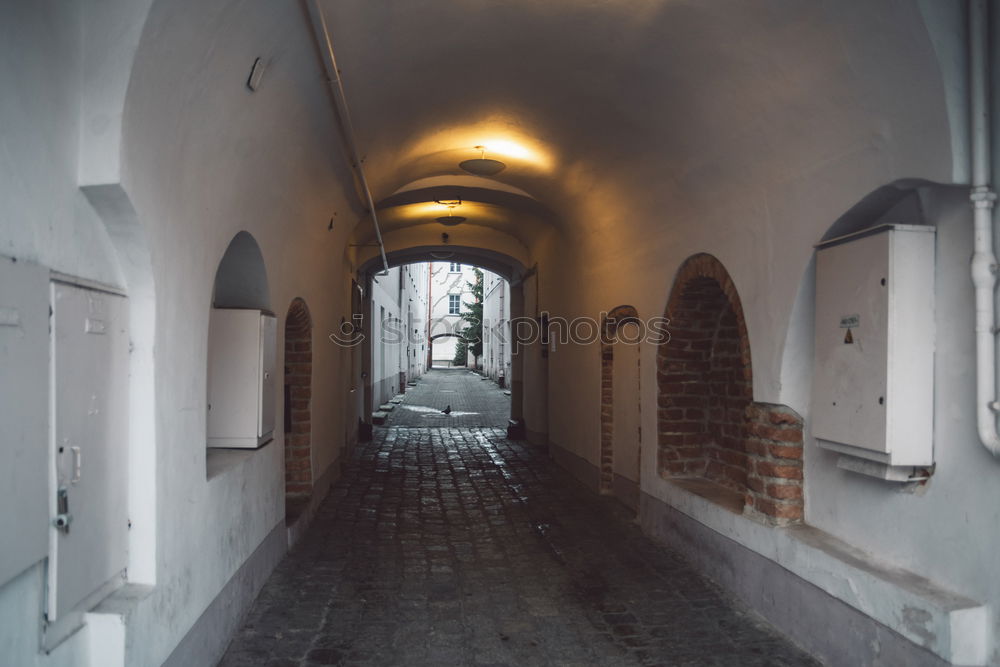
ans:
(241, 382)
(873, 372)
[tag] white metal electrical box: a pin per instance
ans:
(241, 380)
(873, 372)
(24, 399)
(89, 403)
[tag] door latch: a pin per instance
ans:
(63, 518)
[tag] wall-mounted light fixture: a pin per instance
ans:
(256, 74)
(482, 166)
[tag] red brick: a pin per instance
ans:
(785, 452)
(767, 469)
(784, 491)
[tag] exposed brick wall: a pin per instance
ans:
(609, 331)
(298, 382)
(709, 427)
(774, 450)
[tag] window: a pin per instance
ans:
(454, 303)
(455, 268)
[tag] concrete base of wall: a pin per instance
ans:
(537, 438)
(826, 627)
(206, 642)
(821, 624)
(585, 471)
(321, 489)
(626, 491)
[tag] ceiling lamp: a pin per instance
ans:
(482, 166)
(451, 219)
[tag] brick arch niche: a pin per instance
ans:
(615, 320)
(298, 399)
(713, 438)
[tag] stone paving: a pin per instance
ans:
(473, 400)
(456, 546)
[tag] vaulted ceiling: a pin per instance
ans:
(600, 107)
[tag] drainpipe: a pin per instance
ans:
(984, 261)
(344, 113)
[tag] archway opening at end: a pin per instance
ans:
(298, 407)
(444, 351)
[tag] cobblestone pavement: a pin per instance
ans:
(473, 400)
(459, 547)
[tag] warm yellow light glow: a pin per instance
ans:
(429, 211)
(444, 149)
(507, 148)
(424, 210)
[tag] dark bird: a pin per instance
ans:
(447, 410)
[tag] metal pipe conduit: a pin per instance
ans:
(984, 261)
(344, 114)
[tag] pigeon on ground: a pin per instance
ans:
(447, 410)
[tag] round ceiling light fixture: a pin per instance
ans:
(482, 166)
(451, 219)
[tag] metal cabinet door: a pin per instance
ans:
(89, 437)
(24, 453)
(268, 358)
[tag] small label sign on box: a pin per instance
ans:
(850, 321)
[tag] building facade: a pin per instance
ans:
(399, 326)
(450, 292)
(496, 328)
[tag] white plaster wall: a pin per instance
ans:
(387, 346)
(203, 159)
(45, 219)
(416, 298)
(496, 318)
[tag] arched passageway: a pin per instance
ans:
(298, 403)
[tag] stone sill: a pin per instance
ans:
(218, 460)
(952, 626)
(107, 624)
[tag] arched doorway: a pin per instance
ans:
(713, 438)
(298, 400)
(435, 358)
(620, 441)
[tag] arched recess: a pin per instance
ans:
(620, 455)
(241, 279)
(298, 402)
(128, 237)
(713, 438)
(240, 285)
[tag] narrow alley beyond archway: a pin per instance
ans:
(451, 545)
(474, 401)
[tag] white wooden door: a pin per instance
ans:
(89, 433)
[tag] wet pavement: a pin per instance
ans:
(456, 546)
(474, 401)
